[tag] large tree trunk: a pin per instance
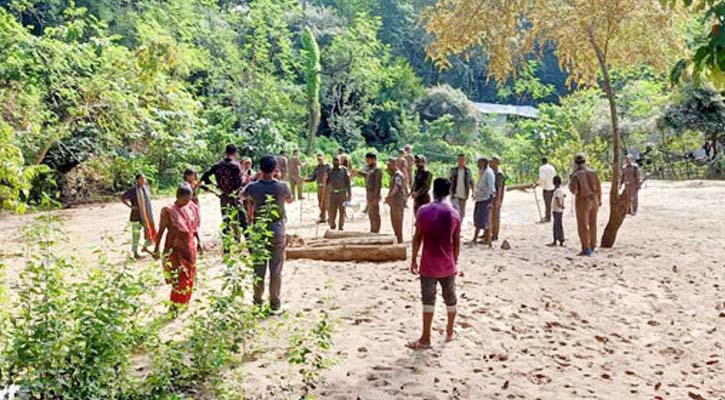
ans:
(350, 253)
(331, 234)
(618, 202)
(361, 241)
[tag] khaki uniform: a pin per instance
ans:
(319, 175)
(497, 201)
(373, 186)
(587, 189)
(404, 168)
(345, 161)
(295, 176)
(630, 177)
(339, 187)
(410, 161)
(396, 201)
(282, 167)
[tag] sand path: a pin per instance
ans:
(645, 320)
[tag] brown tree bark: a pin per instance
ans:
(618, 202)
(362, 241)
(330, 234)
(350, 253)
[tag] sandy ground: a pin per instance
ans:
(645, 320)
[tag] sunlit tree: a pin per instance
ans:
(590, 36)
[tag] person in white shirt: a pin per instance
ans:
(484, 195)
(547, 172)
(558, 213)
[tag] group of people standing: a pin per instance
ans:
(243, 196)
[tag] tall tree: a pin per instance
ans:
(312, 71)
(590, 36)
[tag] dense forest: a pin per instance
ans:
(92, 92)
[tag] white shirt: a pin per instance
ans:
(486, 187)
(461, 184)
(558, 199)
(546, 176)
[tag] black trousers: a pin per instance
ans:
(548, 197)
(234, 220)
(558, 227)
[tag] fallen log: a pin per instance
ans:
(362, 241)
(330, 234)
(350, 253)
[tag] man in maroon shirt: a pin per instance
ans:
(438, 229)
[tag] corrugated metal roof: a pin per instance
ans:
(507, 109)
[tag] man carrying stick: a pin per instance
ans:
(295, 174)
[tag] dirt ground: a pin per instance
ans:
(645, 320)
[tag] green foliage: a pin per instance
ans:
(444, 100)
(72, 339)
(527, 86)
(15, 177)
(308, 351)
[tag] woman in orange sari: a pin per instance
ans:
(181, 220)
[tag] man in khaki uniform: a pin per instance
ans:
(410, 161)
(630, 180)
(344, 158)
(404, 168)
(339, 190)
(319, 175)
(498, 200)
(282, 162)
(373, 185)
(294, 168)
(585, 186)
(396, 198)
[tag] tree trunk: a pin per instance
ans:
(350, 253)
(44, 151)
(618, 203)
(330, 234)
(360, 241)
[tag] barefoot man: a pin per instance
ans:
(138, 200)
(181, 220)
(438, 228)
(587, 190)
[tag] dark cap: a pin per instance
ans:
(420, 157)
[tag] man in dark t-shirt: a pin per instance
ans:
(229, 180)
(259, 192)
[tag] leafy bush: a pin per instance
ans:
(72, 339)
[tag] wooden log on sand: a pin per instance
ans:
(362, 241)
(330, 234)
(350, 253)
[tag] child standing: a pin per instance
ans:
(557, 211)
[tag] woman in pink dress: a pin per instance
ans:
(180, 221)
